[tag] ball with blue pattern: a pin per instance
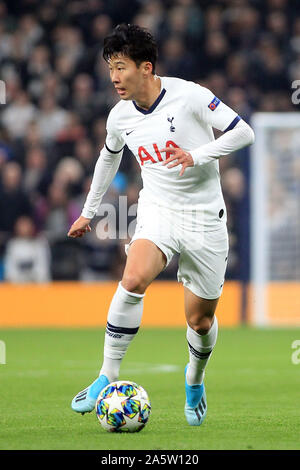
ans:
(123, 406)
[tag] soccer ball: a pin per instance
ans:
(123, 406)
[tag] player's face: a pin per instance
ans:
(127, 78)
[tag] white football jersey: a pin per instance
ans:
(183, 115)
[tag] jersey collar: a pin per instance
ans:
(153, 106)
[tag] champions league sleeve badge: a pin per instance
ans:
(214, 103)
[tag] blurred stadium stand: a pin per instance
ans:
(58, 95)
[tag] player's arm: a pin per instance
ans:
(105, 170)
(237, 134)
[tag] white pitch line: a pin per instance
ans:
(151, 369)
(132, 367)
(26, 373)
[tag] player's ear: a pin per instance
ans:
(147, 68)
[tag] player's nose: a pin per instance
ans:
(114, 78)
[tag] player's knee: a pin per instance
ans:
(134, 283)
(201, 324)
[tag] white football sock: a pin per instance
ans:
(200, 348)
(123, 321)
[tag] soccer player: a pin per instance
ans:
(168, 124)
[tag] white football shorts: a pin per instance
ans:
(202, 254)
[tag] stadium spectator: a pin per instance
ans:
(51, 118)
(17, 116)
(53, 213)
(35, 167)
(85, 153)
(84, 102)
(14, 202)
(27, 255)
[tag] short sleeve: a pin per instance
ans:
(212, 110)
(114, 141)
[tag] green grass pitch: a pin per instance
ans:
(252, 390)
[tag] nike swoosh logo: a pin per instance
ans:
(127, 133)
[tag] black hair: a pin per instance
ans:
(132, 41)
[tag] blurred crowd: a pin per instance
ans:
(58, 96)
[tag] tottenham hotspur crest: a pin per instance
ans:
(172, 128)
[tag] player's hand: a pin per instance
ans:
(80, 227)
(179, 157)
